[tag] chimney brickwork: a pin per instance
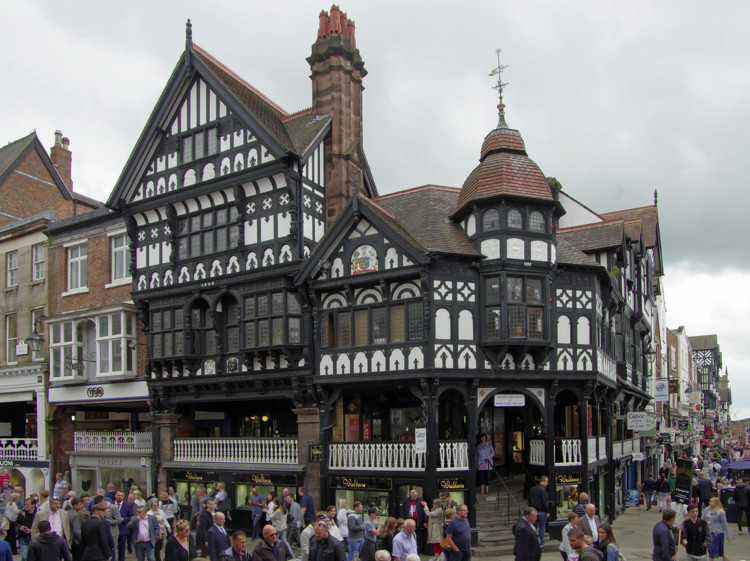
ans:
(63, 159)
(337, 72)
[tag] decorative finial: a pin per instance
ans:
(656, 197)
(188, 34)
(498, 71)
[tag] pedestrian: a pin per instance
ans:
(181, 545)
(586, 552)
(205, 521)
(405, 542)
(696, 536)
(61, 487)
(607, 543)
(306, 505)
(218, 539)
(580, 507)
(144, 532)
(257, 503)
(446, 502)
(590, 523)
(324, 547)
(412, 508)
(742, 501)
(196, 505)
(662, 492)
(333, 526)
(164, 528)
(717, 523)
(24, 522)
(294, 527)
(278, 520)
(372, 531)
(539, 500)
(458, 535)
(705, 489)
(648, 489)
(485, 462)
(47, 546)
(11, 515)
(435, 519)
(341, 515)
(526, 546)
(305, 539)
(387, 533)
(565, 549)
(664, 549)
(269, 548)
(238, 551)
(127, 513)
(57, 518)
(167, 506)
(75, 521)
(356, 530)
(450, 514)
(95, 535)
(113, 519)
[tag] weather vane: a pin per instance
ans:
(498, 71)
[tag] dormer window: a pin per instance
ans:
(491, 220)
(515, 220)
(536, 221)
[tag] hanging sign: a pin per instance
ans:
(420, 440)
(641, 420)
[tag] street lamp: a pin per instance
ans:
(35, 341)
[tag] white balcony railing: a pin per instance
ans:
(567, 452)
(402, 456)
(536, 452)
(124, 441)
(237, 450)
(617, 450)
(19, 449)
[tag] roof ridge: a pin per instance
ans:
(419, 188)
(592, 225)
(296, 114)
(629, 209)
(239, 78)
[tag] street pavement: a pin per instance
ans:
(633, 531)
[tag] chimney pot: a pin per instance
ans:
(65, 142)
(58, 138)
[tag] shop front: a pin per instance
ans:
(567, 489)
(92, 472)
(29, 475)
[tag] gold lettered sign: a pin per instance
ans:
(452, 483)
(315, 453)
(571, 478)
(385, 484)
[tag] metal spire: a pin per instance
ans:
(188, 34)
(498, 71)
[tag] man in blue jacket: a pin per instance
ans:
(127, 513)
(663, 542)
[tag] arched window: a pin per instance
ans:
(491, 220)
(514, 219)
(536, 222)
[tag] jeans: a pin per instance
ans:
(541, 525)
(144, 550)
(121, 542)
(564, 555)
(23, 546)
(281, 536)
(461, 555)
(256, 525)
(354, 548)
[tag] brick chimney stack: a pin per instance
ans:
(62, 158)
(337, 72)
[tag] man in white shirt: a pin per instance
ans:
(590, 523)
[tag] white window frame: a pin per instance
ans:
(11, 341)
(37, 315)
(109, 342)
(77, 263)
(11, 269)
(120, 259)
(63, 349)
(38, 262)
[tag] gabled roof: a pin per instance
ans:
(649, 217)
(304, 129)
(13, 154)
(568, 254)
(423, 212)
(594, 237)
(704, 342)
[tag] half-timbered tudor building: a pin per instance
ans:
(303, 329)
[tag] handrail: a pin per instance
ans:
(507, 490)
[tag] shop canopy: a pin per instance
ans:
(742, 463)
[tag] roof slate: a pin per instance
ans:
(568, 254)
(424, 213)
(704, 342)
(592, 237)
(649, 215)
(12, 150)
(268, 114)
(303, 128)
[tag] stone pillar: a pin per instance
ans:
(308, 432)
(41, 424)
(166, 427)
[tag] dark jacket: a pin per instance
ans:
(96, 540)
(263, 552)
(332, 549)
(175, 552)
(704, 489)
(526, 546)
(590, 553)
(127, 511)
(649, 485)
(662, 486)
(742, 495)
(25, 519)
(153, 529)
(232, 555)
(218, 542)
(580, 509)
(663, 542)
(538, 498)
(49, 547)
(205, 522)
(698, 536)
(406, 506)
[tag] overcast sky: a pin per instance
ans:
(615, 99)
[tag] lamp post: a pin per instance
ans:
(35, 341)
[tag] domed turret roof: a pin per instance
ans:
(504, 169)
